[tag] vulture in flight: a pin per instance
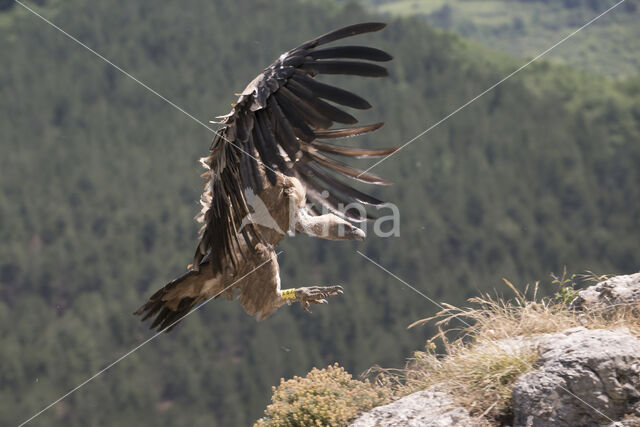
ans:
(271, 170)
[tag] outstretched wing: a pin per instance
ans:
(282, 123)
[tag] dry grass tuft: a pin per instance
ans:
(325, 397)
(480, 366)
(478, 378)
(496, 318)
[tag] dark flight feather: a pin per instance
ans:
(341, 33)
(334, 183)
(300, 127)
(347, 132)
(358, 153)
(283, 131)
(344, 67)
(324, 108)
(309, 114)
(346, 170)
(351, 52)
(331, 93)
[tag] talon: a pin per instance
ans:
(316, 295)
(305, 305)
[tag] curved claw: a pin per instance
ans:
(316, 295)
(305, 306)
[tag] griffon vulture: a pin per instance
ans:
(270, 157)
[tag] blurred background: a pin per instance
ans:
(99, 183)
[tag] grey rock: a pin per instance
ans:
(428, 408)
(628, 421)
(614, 291)
(585, 378)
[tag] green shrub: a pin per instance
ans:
(325, 397)
(566, 287)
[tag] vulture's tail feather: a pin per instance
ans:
(168, 304)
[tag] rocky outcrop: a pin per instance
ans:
(582, 378)
(585, 378)
(428, 408)
(615, 291)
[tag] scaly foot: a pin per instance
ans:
(316, 295)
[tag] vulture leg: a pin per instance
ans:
(310, 295)
(327, 226)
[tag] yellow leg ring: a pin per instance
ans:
(289, 293)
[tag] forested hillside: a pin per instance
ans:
(99, 184)
(527, 27)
